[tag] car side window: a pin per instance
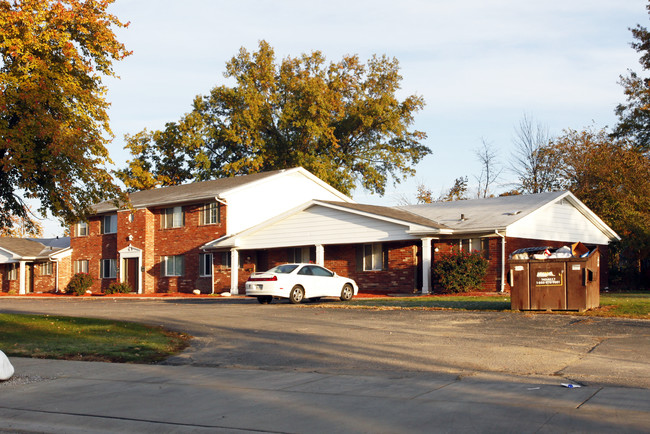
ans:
(320, 271)
(305, 271)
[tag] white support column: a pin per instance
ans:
(320, 255)
(426, 265)
(22, 278)
(234, 271)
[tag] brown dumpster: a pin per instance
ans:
(571, 283)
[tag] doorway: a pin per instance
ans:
(131, 266)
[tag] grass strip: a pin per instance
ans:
(71, 338)
(622, 305)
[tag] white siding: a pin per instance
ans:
(558, 222)
(322, 225)
(251, 206)
(5, 257)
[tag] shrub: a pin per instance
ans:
(79, 283)
(118, 288)
(460, 271)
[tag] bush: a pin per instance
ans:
(118, 288)
(79, 283)
(460, 271)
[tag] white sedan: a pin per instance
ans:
(298, 282)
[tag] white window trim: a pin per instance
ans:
(210, 214)
(111, 227)
(112, 269)
(173, 262)
(46, 269)
(376, 257)
(78, 266)
(12, 274)
(173, 219)
(205, 259)
(84, 226)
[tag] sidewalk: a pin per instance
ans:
(85, 397)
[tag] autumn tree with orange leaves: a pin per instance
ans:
(54, 125)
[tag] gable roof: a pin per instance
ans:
(483, 214)
(34, 248)
(184, 193)
(206, 190)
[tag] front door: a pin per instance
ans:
(131, 266)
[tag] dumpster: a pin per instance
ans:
(540, 278)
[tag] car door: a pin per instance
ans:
(326, 281)
(306, 279)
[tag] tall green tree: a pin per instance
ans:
(53, 112)
(634, 113)
(342, 121)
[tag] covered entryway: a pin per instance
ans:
(130, 267)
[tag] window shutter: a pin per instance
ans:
(384, 256)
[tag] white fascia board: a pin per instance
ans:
(10, 253)
(61, 253)
(210, 244)
(302, 171)
(583, 209)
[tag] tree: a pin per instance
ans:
(490, 170)
(612, 177)
(529, 164)
(53, 113)
(634, 114)
(457, 192)
(341, 121)
(22, 227)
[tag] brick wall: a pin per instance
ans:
(44, 282)
(143, 229)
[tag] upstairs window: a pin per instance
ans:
(109, 224)
(174, 265)
(210, 214)
(173, 217)
(108, 268)
(82, 229)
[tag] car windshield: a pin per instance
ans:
(283, 269)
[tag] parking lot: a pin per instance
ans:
(415, 352)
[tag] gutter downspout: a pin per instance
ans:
(503, 260)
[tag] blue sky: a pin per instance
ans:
(479, 64)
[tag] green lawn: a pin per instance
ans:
(630, 305)
(56, 337)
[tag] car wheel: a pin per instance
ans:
(297, 294)
(265, 299)
(347, 292)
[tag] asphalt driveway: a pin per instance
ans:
(240, 333)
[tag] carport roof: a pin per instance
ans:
(390, 212)
(34, 248)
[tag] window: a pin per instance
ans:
(205, 264)
(225, 259)
(174, 265)
(81, 266)
(372, 257)
(301, 254)
(46, 269)
(12, 273)
(108, 268)
(109, 224)
(481, 245)
(82, 229)
(173, 217)
(210, 214)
